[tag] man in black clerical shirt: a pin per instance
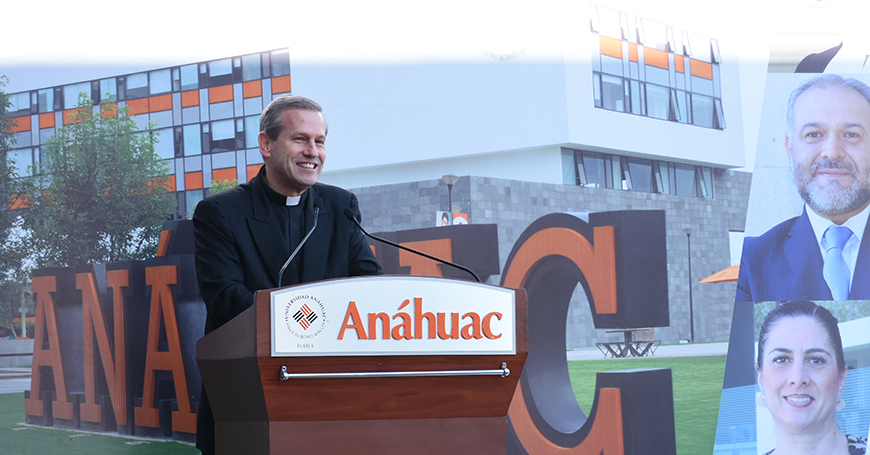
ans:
(243, 236)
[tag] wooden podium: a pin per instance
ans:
(365, 402)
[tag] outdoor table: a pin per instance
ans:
(629, 347)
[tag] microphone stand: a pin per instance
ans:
(299, 247)
(350, 215)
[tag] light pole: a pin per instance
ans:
(450, 179)
(688, 232)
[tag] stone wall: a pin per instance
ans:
(16, 353)
(513, 205)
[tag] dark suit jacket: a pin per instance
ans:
(785, 263)
(240, 248)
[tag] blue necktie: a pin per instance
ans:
(835, 271)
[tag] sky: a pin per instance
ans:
(94, 38)
(91, 39)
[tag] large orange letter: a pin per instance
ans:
(162, 303)
(43, 286)
(114, 366)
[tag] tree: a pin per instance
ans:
(13, 273)
(100, 192)
(222, 185)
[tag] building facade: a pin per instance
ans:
(629, 113)
(206, 116)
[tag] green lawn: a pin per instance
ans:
(697, 384)
(26, 440)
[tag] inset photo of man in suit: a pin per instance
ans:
(823, 253)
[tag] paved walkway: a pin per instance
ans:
(14, 379)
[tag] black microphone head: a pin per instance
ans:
(350, 215)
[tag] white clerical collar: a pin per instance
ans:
(293, 201)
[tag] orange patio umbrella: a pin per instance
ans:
(723, 276)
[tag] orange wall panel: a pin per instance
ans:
(253, 169)
(679, 64)
(228, 174)
(281, 84)
(632, 52)
(168, 183)
(193, 180)
(109, 110)
(70, 114)
(20, 124)
(137, 107)
(220, 94)
(252, 89)
(701, 69)
(655, 57)
(611, 47)
(160, 103)
(46, 120)
(18, 201)
(190, 98)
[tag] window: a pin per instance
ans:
(21, 160)
(702, 110)
(685, 180)
(612, 93)
(161, 82)
(591, 170)
(137, 85)
(251, 67)
(647, 68)
(46, 101)
(45, 134)
(23, 139)
(281, 63)
(252, 130)
(189, 77)
(192, 140)
(658, 102)
(220, 72)
(600, 170)
(193, 198)
(164, 145)
(223, 136)
(108, 89)
(71, 94)
(20, 103)
(638, 175)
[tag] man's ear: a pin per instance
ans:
(265, 144)
(787, 147)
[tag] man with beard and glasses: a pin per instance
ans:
(819, 255)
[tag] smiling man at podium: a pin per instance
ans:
(278, 229)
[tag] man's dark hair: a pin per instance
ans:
(799, 308)
(270, 120)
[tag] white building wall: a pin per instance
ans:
(477, 113)
(540, 164)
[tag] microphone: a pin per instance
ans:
(351, 216)
(317, 203)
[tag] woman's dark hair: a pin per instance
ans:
(797, 308)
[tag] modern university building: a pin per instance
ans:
(630, 113)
